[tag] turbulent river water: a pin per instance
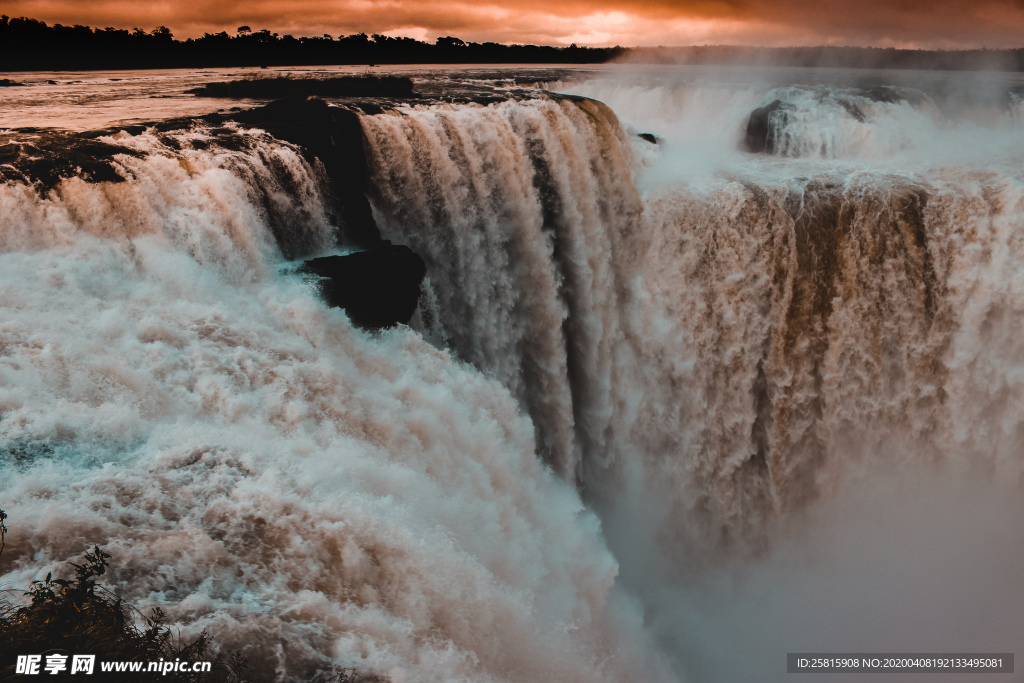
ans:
(667, 410)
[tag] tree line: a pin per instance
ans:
(834, 57)
(32, 45)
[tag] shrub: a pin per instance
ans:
(79, 616)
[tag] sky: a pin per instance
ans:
(879, 23)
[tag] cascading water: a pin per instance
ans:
(316, 496)
(740, 336)
(745, 338)
(740, 367)
(521, 211)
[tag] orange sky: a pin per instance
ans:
(895, 23)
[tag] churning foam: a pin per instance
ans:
(519, 210)
(763, 373)
(745, 341)
(777, 335)
(309, 493)
(860, 124)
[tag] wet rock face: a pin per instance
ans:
(378, 288)
(286, 86)
(334, 136)
(764, 125)
(44, 157)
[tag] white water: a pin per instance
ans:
(459, 185)
(950, 119)
(791, 388)
(787, 347)
(309, 493)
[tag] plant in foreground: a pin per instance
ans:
(79, 616)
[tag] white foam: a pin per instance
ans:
(309, 493)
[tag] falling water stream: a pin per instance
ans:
(667, 410)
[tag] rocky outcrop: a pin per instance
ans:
(280, 87)
(334, 136)
(44, 157)
(764, 127)
(378, 288)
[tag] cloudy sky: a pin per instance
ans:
(884, 23)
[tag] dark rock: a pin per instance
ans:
(765, 125)
(371, 108)
(174, 124)
(25, 451)
(852, 108)
(44, 157)
(534, 80)
(113, 130)
(378, 288)
(887, 94)
(650, 137)
(280, 87)
(1012, 99)
(335, 137)
(891, 94)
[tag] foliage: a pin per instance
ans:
(32, 45)
(79, 616)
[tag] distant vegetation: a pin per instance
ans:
(832, 56)
(32, 45)
(285, 86)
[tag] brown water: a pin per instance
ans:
(667, 412)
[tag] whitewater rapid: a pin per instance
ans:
(788, 370)
(746, 336)
(653, 392)
(314, 495)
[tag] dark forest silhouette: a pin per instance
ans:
(29, 44)
(833, 56)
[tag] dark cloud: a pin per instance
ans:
(899, 23)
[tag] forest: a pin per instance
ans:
(32, 45)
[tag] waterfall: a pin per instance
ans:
(524, 213)
(654, 397)
(316, 497)
(788, 384)
(745, 342)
